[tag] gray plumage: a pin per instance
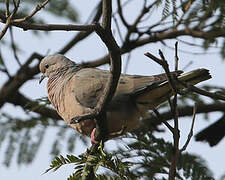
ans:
(74, 91)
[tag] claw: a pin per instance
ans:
(83, 117)
(93, 137)
(75, 120)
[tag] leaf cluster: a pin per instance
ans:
(98, 159)
(145, 156)
(23, 137)
(57, 8)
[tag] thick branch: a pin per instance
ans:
(106, 15)
(34, 106)
(184, 111)
(49, 27)
(105, 34)
(54, 27)
(133, 44)
(23, 74)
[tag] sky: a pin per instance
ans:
(139, 64)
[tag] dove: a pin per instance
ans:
(74, 90)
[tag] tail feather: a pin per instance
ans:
(160, 93)
(195, 76)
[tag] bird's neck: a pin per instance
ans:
(57, 81)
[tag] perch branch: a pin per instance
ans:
(191, 130)
(104, 32)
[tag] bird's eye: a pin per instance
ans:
(46, 66)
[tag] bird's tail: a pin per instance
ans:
(195, 76)
(156, 95)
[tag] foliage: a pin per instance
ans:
(145, 157)
(209, 16)
(63, 9)
(96, 160)
(24, 136)
(166, 10)
(21, 138)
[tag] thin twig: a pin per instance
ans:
(82, 35)
(189, 52)
(164, 122)
(120, 12)
(7, 8)
(118, 29)
(144, 11)
(14, 46)
(176, 56)
(176, 134)
(37, 8)
(9, 18)
(7, 24)
(168, 74)
(165, 66)
(154, 58)
(4, 69)
(174, 110)
(193, 88)
(127, 62)
(191, 130)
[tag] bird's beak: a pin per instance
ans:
(41, 78)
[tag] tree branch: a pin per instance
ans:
(120, 12)
(203, 92)
(8, 19)
(191, 130)
(105, 34)
(183, 112)
(23, 74)
(27, 104)
(38, 8)
(54, 27)
(81, 35)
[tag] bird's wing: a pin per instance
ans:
(89, 84)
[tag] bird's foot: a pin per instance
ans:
(75, 120)
(83, 117)
(93, 141)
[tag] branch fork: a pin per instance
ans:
(174, 109)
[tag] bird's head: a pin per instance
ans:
(53, 63)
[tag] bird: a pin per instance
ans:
(74, 90)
